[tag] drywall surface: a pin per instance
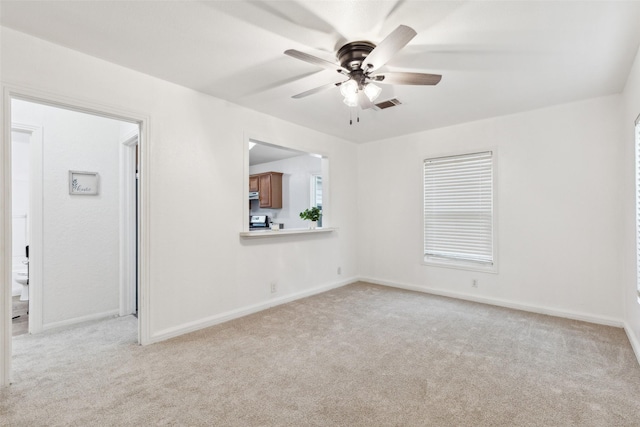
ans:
(199, 266)
(631, 105)
(20, 149)
(296, 189)
(557, 206)
(80, 239)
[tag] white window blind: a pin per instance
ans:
(638, 207)
(458, 208)
(316, 190)
(316, 194)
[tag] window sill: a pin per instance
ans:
(460, 265)
(278, 233)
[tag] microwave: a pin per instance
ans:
(254, 195)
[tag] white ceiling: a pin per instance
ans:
(267, 153)
(496, 57)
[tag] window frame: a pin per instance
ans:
(312, 191)
(313, 182)
(462, 264)
(636, 144)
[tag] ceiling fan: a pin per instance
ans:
(359, 61)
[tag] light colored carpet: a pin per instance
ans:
(361, 355)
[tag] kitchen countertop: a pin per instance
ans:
(285, 232)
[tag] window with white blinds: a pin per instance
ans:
(458, 208)
(316, 194)
(638, 207)
(316, 190)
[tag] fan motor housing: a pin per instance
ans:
(352, 55)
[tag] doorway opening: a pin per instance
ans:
(76, 177)
(21, 167)
(79, 242)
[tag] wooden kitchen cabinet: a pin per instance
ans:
(269, 188)
(254, 183)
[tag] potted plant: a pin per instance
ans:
(312, 215)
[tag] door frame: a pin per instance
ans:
(11, 91)
(35, 223)
(128, 225)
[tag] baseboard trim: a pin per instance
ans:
(243, 311)
(77, 320)
(635, 344)
(601, 320)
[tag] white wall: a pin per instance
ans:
(200, 269)
(19, 197)
(80, 241)
(296, 189)
(631, 106)
(557, 205)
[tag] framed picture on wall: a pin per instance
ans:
(83, 183)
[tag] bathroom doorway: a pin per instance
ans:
(74, 216)
(64, 272)
(21, 174)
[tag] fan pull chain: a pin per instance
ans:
(351, 116)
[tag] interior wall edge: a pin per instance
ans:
(627, 231)
(567, 314)
(217, 319)
(5, 236)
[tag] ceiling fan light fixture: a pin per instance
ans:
(372, 91)
(349, 88)
(358, 61)
(351, 99)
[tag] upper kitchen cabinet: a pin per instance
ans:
(254, 183)
(269, 189)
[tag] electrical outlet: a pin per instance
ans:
(339, 270)
(474, 284)
(274, 287)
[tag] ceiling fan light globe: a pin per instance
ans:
(349, 88)
(351, 100)
(372, 91)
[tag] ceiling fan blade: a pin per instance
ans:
(315, 60)
(401, 78)
(316, 90)
(389, 47)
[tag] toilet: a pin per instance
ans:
(16, 288)
(21, 278)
